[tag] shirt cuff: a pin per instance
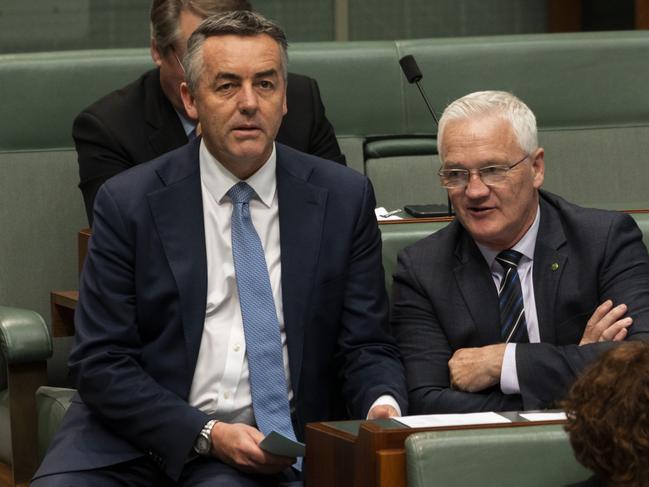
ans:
(386, 400)
(508, 374)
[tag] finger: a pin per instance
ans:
(600, 312)
(621, 335)
(267, 462)
(610, 318)
(382, 411)
(611, 332)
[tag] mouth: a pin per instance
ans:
(480, 210)
(246, 130)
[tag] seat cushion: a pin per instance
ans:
(51, 405)
(527, 455)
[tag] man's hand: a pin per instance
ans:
(607, 324)
(475, 369)
(238, 445)
(382, 411)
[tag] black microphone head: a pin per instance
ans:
(410, 68)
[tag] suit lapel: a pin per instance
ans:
(549, 264)
(301, 216)
(168, 132)
(177, 211)
(478, 290)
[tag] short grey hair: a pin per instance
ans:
(165, 17)
(493, 103)
(240, 23)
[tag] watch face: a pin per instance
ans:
(202, 445)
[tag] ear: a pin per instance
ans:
(284, 106)
(155, 53)
(188, 101)
(538, 167)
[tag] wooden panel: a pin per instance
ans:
(82, 246)
(62, 305)
(564, 16)
(329, 456)
(642, 14)
(391, 467)
(5, 477)
(23, 380)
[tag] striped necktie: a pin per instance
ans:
(513, 327)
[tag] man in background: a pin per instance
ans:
(146, 118)
(503, 308)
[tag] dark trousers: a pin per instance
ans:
(141, 472)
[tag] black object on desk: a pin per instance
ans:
(427, 211)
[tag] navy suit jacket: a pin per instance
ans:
(444, 299)
(142, 307)
(137, 123)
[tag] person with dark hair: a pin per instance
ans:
(146, 118)
(233, 288)
(608, 417)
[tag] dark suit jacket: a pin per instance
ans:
(142, 307)
(445, 299)
(137, 123)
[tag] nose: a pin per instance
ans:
(248, 102)
(475, 188)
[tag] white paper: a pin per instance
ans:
(382, 214)
(544, 416)
(428, 420)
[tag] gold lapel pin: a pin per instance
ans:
(554, 266)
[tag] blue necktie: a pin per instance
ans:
(510, 298)
(261, 328)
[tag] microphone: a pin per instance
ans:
(413, 75)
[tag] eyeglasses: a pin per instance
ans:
(489, 175)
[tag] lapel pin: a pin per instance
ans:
(554, 266)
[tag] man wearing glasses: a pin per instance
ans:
(146, 118)
(505, 306)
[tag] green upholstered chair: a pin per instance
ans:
(51, 405)
(403, 171)
(396, 236)
(26, 346)
(527, 456)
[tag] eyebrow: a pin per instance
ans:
(235, 77)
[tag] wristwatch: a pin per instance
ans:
(203, 443)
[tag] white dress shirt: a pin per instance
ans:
(220, 386)
(526, 245)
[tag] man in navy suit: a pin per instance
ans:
(163, 360)
(505, 306)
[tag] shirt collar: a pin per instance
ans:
(525, 245)
(188, 125)
(218, 180)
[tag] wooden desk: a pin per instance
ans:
(63, 303)
(370, 453)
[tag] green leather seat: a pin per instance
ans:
(51, 405)
(26, 345)
(528, 456)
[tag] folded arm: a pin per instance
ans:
(426, 354)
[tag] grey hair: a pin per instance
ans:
(499, 103)
(164, 17)
(239, 23)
